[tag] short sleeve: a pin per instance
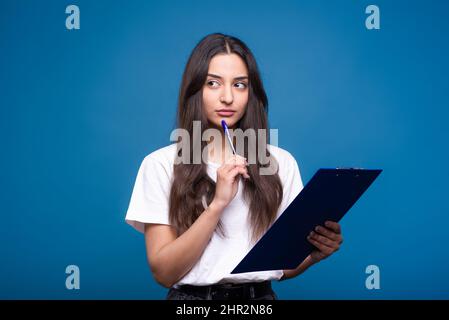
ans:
(292, 182)
(150, 195)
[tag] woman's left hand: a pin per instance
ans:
(326, 239)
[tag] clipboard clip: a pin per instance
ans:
(348, 168)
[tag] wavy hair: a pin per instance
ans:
(191, 184)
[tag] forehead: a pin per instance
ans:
(227, 65)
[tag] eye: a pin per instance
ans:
(241, 85)
(213, 83)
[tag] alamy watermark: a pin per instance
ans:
(373, 20)
(257, 148)
(72, 282)
(373, 280)
(73, 20)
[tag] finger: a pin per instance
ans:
(239, 159)
(225, 168)
(237, 170)
(236, 159)
(324, 240)
(244, 172)
(328, 233)
(323, 248)
(333, 225)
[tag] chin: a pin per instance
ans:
(230, 121)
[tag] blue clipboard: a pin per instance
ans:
(327, 196)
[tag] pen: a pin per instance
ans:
(225, 128)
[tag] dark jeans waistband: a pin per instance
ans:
(229, 291)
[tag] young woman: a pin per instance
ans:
(201, 219)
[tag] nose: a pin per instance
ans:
(227, 96)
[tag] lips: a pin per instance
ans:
(225, 113)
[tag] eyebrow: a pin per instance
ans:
(218, 77)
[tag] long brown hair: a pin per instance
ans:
(262, 193)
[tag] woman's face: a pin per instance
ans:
(225, 93)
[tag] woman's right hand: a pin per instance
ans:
(228, 180)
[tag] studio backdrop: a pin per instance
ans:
(89, 88)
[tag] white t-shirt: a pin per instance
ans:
(150, 204)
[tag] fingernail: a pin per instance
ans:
(317, 228)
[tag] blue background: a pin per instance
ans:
(80, 110)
